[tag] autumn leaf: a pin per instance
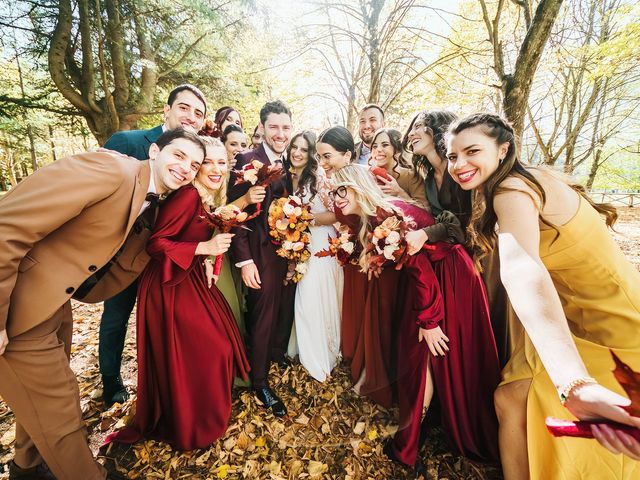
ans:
(630, 381)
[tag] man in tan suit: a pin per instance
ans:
(73, 228)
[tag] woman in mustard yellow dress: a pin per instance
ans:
(576, 295)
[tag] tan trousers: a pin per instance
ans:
(42, 391)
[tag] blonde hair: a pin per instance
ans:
(213, 199)
(369, 197)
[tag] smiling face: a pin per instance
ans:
(277, 132)
(176, 165)
(330, 159)
(345, 200)
(233, 118)
(420, 140)
(370, 120)
(236, 143)
(299, 153)
(473, 157)
(186, 111)
(382, 152)
(213, 171)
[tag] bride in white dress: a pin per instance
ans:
(318, 305)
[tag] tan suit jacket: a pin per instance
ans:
(63, 223)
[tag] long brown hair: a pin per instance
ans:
(482, 227)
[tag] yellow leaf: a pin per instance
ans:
(261, 442)
(373, 434)
(316, 469)
(223, 471)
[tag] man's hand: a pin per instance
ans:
(4, 341)
(251, 276)
(255, 194)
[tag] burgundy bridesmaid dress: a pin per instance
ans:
(441, 288)
(189, 346)
(353, 297)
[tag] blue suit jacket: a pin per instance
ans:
(134, 143)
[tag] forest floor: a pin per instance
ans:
(330, 433)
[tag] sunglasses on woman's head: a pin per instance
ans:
(340, 192)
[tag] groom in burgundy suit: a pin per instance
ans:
(270, 303)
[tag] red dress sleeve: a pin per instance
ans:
(165, 244)
(428, 305)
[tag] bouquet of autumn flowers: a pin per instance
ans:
(289, 221)
(257, 173)
(387, 241)
(226, 218)
(342, 247)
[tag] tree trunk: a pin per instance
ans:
(54, 157)
(594, 169)
(517, 86)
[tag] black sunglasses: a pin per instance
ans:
(340, 192)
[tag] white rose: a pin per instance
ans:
(302, 268)
(297, 211)
(287, 245)
(297, 246)
(393, 238)
(296, 199)
(348, 247)
(251, 176)
(389, 250)
(288, 209)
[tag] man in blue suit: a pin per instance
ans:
(186, 107)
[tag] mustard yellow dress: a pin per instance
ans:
(600, 293)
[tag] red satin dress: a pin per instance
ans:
(189, 346)
(353, 297)
(368, 318)
(441, 288)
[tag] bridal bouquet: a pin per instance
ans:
(289, 221)
(387, 242)
(342, 247)
(630, 382)
(257, 173)
(226, 218)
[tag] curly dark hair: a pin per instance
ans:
(435, 124)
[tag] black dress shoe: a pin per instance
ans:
(40, 472)
(284, 362)
(114, 390)
(269, 399)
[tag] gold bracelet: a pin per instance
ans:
(578, 382)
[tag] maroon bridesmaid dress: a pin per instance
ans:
(189, 346)
(441, 288)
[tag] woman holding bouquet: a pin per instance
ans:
(444, 334)
(188, 343)
(318, 302)
(367, 316)
(576, 295)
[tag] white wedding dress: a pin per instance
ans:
(315, 336)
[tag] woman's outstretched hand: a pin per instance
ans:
(595, 402)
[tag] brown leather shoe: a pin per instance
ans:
(40, 472)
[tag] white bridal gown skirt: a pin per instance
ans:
(315, 336)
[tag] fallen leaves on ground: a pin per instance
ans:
(330, 433)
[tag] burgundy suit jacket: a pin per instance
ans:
(256, 244)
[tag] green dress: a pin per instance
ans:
(230, 284)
